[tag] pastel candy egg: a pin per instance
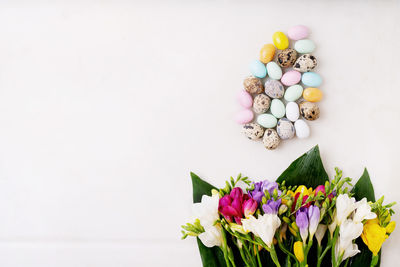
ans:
(291, 77)
(257, 68)
(274, 89)
(312, 94)
(298, 32)
(302, 129)
(292, 111)
(287, 58)
(285, 129)
(277, 108)
(271, 139)
(253, 131)
(267, 53)
(253, 85)
(310, 111)
(293, 92)
(274, 71)
(244, 116)
(311, 79)
(280, 40)
(304, 46)
(245, 99)
(261, 103)
(305, 63)
(267, 120)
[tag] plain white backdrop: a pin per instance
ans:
(106, 107)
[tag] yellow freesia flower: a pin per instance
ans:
(390, 227)
(298, 250)
(373, 236)
(303, 190)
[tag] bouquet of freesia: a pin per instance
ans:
(301, 219)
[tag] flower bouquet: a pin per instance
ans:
(301, 219)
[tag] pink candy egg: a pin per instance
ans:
(244, 116)
(298, 32)
(291, 78)
(245, 99)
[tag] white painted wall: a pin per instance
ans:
(106, 107)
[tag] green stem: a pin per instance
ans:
(374, 260)
(274, 256)
(231, 257)
(243, 256)
(282, 247)
(249, 255)
(258, 257)
(319, 251)
(347, 262)
(320, 258)
(335, 236)
(228, 264)
(224, 248)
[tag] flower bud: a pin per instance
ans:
(275, 194)
(286, 220)
(264, 200)
(282, 209)
(298, 251)
(390, 227)
(249, 207)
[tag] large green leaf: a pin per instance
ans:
(307, 170)
(200, 188)
(211, 256)
(363, 188)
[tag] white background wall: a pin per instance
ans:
(106, 107)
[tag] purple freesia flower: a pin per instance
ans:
(259, 188)
(313, 218)
(302, 222)
(272, 206)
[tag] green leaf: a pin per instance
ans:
(307, 170)
(212, 257)
(363, 188)
(200, 188)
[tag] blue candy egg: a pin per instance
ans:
(258, 69)
(311, 79)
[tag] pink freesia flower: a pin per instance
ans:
(231, 206)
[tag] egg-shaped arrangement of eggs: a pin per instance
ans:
(281, 93)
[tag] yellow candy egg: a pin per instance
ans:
(280, 40)
(267, 53)
(312, 94)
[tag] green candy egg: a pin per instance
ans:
(267, 120)
(293, 92)
(304, 46)
(278, 108)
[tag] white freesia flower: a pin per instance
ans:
(350, 251)
(212, 236)
(349, 230)
(263, 227)
(344, 206)
(319, 234)
(363, 211)
(207, 212)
